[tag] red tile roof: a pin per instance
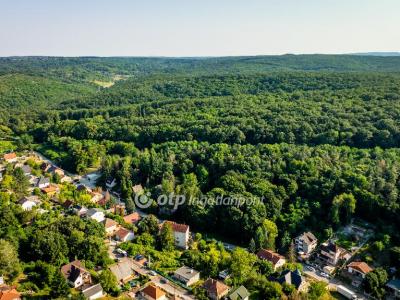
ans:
(269, 255)
(153, 291)
(8, 156)
(178, 227)
(133, 218)
(215, 287)
(122, 233)
(50, 189)
(108, 223)
(360, 266)
(10, 295)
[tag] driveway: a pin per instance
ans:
(171, 288)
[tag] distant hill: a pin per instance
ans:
(88, 69)
(385, 54)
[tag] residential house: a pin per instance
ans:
(359, 268)
(43, 182)
(181, 234)
(80, 211)
(132, 218)
(96, 197)
(215, 289)
(7, 293)
(28, 203)
(95, 214)
(83, 188)
(331, 253)
(151, 292)
(93, 292)
(306, 243)
(76, 274)
(393, 287)
(187, 275)
(110, 226)
(54, 170)
(294, 278)
(26, 169)
(241, 293)
(10, 157)
(67, 204)
(123, 270)
(51, 190)
(276, 259)
(124, 235)
(45, 166)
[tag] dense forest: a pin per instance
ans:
(316, 136)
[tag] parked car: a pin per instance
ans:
(163, 281)
(310, 268)
(122, 252)
(323, 274)
(152, 273)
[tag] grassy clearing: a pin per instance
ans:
(104, 84)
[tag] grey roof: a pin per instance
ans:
(186, 272)
(123, 269)
(26, 169)
(291, 277)
(394, 284)
(92, 290)
(308, 237)
(240, 293)
(91, 211)
(43, 180)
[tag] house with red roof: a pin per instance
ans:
(9, 294)
(276, 259)
(181, 234)
(10, 157)
(124, 235)
(132, 218)
(151, 292)
(359, 268)
(215, 289)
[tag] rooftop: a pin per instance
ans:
(186, 272)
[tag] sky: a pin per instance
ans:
(197, 27)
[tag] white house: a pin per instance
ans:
(76, 274)
(331, 253)
(306, 243)
(95, 214)
(276, 259)
(181, 234)
(110, 226)
(187, 275)
(10, 157)
(28, 203)
(359, 269)
(43, 182)
(124, 235)
(93, 292)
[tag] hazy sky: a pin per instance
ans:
(197, 27)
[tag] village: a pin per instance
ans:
(335, 261)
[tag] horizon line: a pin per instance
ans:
(368, 53)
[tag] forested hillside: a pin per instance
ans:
(302, 131)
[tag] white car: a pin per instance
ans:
(323, 274)
(152, 273)
(310, 268)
